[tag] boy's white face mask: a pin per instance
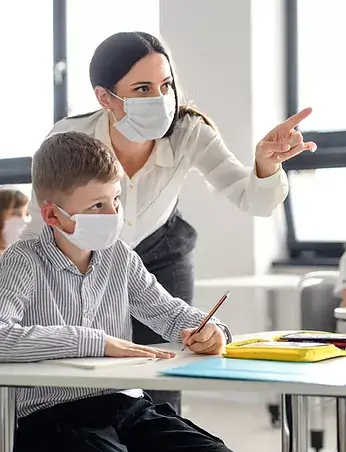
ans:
(95, 231)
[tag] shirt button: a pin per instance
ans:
(132, 187)
(129, 223)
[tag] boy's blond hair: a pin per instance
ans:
(66, 161)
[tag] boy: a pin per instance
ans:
(71, 293)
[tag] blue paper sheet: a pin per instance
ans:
(326, 372)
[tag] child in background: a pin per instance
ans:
(71, 293)
(13, 216)
(340, 288)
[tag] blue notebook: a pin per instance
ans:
(326, 372)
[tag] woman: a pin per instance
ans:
(158, 142)
(13, 216)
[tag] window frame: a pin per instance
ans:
(18, 170)
(324, 140)
(331, 151)
(60, 58)
(15, 171)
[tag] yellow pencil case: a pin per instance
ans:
(282, 351)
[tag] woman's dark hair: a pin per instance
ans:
(115, 56)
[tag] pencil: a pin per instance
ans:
(211, 313)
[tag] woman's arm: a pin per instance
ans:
(223, 171)
(33, 229)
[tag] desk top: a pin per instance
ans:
(268, 282)
(145, 376)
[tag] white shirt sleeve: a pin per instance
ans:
(341, 281)
(223, 171)
(33, 229)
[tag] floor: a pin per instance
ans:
(245, 426)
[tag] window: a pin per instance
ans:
(318, 215)
(321, 63)
(26, 48)
(45, 66)
(316, 77)
(83, 36)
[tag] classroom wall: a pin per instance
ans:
(229, 56)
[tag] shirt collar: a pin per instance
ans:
(163, 154)
(102, 130)
(57, 257)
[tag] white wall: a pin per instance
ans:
(268, 109)
(206, 56)
(229, 57)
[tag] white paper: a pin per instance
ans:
(96, 363)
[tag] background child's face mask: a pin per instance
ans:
(13, 227)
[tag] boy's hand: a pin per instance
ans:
(119, 348)
(210, 341)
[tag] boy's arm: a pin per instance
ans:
(34, 343)
(152, 305)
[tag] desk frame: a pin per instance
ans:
(7, 418)
(299, 439)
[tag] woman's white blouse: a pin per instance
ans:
(150, 195)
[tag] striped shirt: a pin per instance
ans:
(49, 310)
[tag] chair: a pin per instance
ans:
(318, 303)
(340, 317)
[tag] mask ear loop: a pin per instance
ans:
(109, 111)
(59, 208)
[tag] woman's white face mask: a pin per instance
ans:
(146, 118)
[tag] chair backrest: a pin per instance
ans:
(318, 301)
(319, 277)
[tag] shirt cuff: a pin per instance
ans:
(226, 331)
(273, 181)
(339, 288)
(91, 342)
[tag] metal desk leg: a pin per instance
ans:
(341, 423)
(273, 402)
(300, 412)
(285, 433)
(7, 418)
(272, 314)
